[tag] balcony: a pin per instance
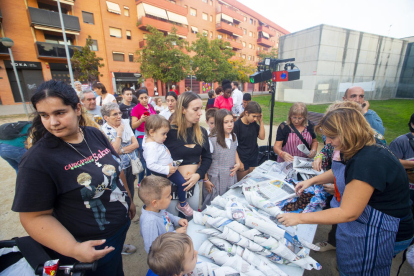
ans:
(50, 21)
(67, 2)
(265, 42)
(142, 43)
(235, 44)
(165, 5)
(266, 30)
(163, 26)
(53, 51)
(226, 28)
(230, 12)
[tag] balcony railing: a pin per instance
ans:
(265, 42)
(230, 12)
(164, 26)
(67, 2)
(50, 19)
(51, 50)
(226, 28)
(165, 5)
(267, 30)
(235, 44)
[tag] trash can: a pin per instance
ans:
(264, 155)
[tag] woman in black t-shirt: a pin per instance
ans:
(69, 191)
(371, 204)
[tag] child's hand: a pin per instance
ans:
(182, 230)
(261, 118)
(172, 169)
(236, 167)
(183, 222)
(209, 186)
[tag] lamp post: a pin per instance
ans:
(7, 42)
(191, 71)
(66, 45)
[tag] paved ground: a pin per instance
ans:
(136, 264)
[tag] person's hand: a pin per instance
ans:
(241, 169)
(85, 252)
(365, 107)
(302, 186)
(183, 222)
(172, 169)
(312, 154)
(191, 181)
(329, 188)
(261, 118)
(144, 118)
(132, 210)
(233, 171)
(317, 164)
(209, 186)
(181, 230)
(286, 156)
(120, 130)
(289, 219)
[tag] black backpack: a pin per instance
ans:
(12, 131)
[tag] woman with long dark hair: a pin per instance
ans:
(65, 183)
(103, 95)
(171, 99)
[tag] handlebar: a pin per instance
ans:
(77, 267)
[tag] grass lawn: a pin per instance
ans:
(394, 113)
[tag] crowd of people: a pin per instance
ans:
(83, 202)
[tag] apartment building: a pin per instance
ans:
(118, 30)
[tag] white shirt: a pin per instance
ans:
(159, 108)
(157, 156)
(166, 113)
(109, 98)
(237, 101)
(227, 140)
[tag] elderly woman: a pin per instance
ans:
(371, 206)
(78, 87)
(122, 139)
(171, 99)
(295, 131)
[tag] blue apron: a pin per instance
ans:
(364, 246)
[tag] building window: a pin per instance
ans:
(251, 21)
(219, 36)
(118, 56)
(244, 31)
(211, 18)
(115, 32)
(253, 47)
(211, 2)
(250, 58)
(185, 6)
(128, 34)
(94, 46)
(205, 1)
(194, 30)
(126, 11)
(245, 19)
(277, 45)
(193, 12)
(88, 18)
(205, 33)
(131, 57)
(205, 16)
(250, 45)
(211, 34)
(113, 7)
(250, 34)
(244, 44)
(244, 56)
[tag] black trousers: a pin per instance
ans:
(130, 178)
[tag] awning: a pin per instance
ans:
(194, 29)
(237, 35)
(132, 77)
(227, 18)
(265, 35)
(154, 11)
(177, 18)
(122, 53)
(113, 7)
(180, 36)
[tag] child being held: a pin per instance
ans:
(158, 105)
(155, 192)
(171, 254)
(226, 161)
(159, 160)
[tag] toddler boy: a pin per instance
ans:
(210, 114)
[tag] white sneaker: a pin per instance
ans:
(325, 246)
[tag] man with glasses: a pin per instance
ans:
(88, 100)
(357, 94)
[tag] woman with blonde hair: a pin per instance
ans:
(295, 131)
(373, 208)
(188, 141)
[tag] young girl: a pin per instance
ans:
(159, 160)
(226, 162)
(247, 131)
(158, 105)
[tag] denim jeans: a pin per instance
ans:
(12, 154)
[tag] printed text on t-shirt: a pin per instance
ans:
(94, 157)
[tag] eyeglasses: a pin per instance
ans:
(297, 118)
(116, 114)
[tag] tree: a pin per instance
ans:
(85, 63)
(211, 62)
(272, 53)
(241, 70)
(163, 57)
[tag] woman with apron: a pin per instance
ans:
(371, 204)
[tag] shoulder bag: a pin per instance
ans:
(300, 136)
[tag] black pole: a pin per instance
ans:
(271, 119)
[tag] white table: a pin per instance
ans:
(304, 231)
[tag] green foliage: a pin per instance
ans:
(272, 53)
(85, 63)
(242, 70)
(163, 57)
(211, 62)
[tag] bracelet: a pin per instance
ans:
(204, 181)
(119, 136)
(319, 156)
(280, 154)
(313, 150)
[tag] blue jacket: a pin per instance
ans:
(375, 121)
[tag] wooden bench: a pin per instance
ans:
(315, 117)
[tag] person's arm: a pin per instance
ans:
(236, 166)
(151, 155)
(132, 208)
(407, 164)
(314, 148)
(48, 231)
(375, 121)
(134, 145)
(216, 102)
(135, 122)
(354, 200)
(326, 177)
(262, 134)
(116, 141)
(149, 232)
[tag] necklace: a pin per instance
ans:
(83, 137)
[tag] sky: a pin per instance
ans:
(383, 17)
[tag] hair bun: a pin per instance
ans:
(226, 84)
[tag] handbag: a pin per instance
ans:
(136, 164)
